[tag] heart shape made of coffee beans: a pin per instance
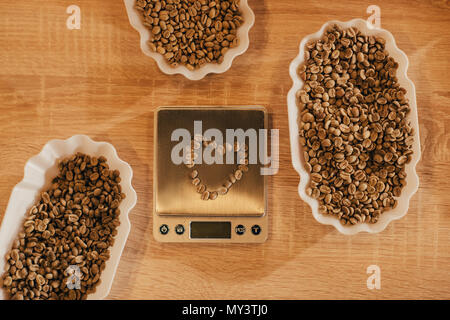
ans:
(234, 176)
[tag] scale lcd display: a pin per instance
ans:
(210, 230)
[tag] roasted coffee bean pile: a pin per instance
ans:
(191, 32)
(353, 125)
(66, 236)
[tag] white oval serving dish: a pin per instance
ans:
(242, 34)
(296, 149)
(38, 173)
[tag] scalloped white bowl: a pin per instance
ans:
(38, 174)
(297, 152)
(242, 34)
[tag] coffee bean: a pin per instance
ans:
(196, 181)
(194, 174)
(205, 195)
(213, 195)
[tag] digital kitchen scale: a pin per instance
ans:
(180, 214)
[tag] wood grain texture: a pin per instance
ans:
(56, 82)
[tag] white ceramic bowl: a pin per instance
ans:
(38, 173)
(242, 34)
(296, 149)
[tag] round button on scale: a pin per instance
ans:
(240, 229)
(179, 229)
(256, 229)
(164, 229)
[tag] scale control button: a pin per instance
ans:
(164, 229)
(179, 229)
(240, 229)
(256, 229)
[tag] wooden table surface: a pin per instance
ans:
(56, 82)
